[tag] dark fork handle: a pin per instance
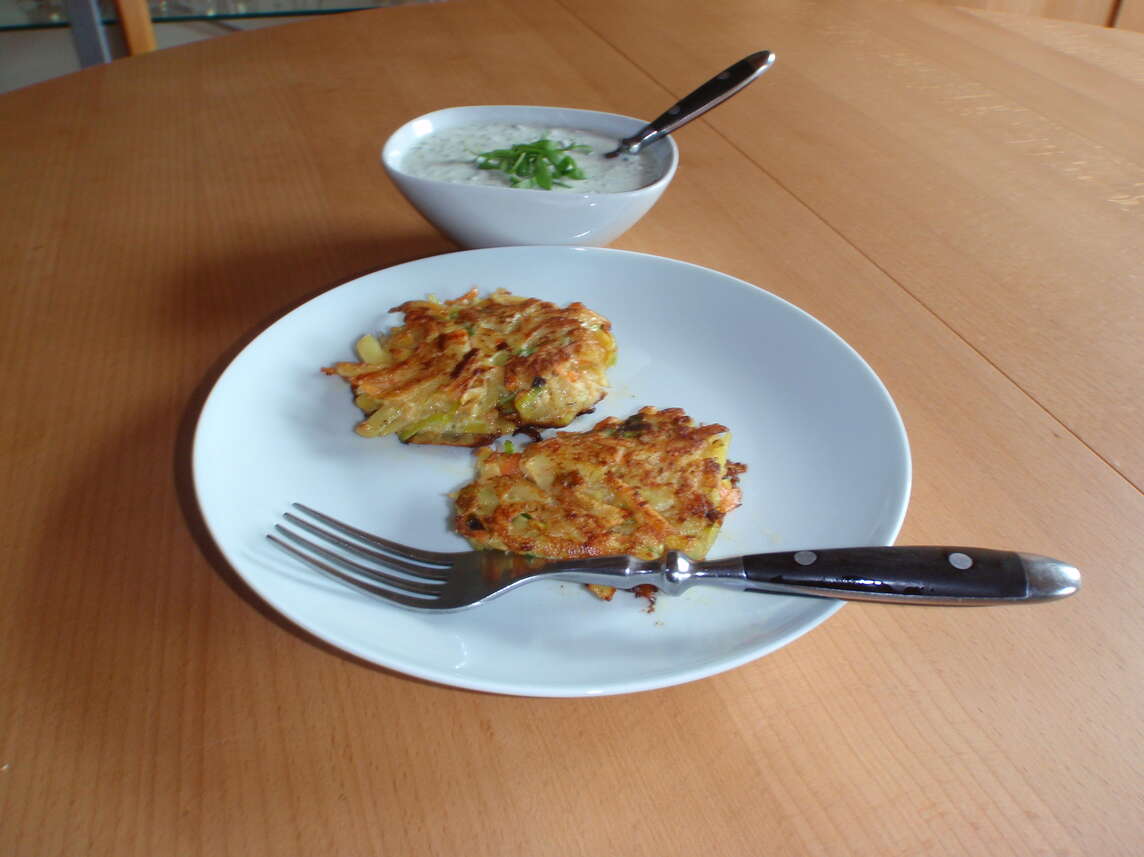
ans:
(932, 575)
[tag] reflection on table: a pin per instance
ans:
(87, 18)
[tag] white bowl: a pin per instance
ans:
(487, 216)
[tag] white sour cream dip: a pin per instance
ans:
(450, 154)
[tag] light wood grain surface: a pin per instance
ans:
(1125, 14)
(959, 194)
(1130, 15)
(1100, 12)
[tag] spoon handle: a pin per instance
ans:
(715, 91)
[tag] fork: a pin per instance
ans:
(433, 580)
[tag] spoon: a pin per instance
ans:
(715, 91)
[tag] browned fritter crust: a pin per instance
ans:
(466, 371)
(641, 486)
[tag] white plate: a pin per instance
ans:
(826, 450)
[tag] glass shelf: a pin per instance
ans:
(41, 14)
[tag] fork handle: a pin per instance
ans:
(919, 575)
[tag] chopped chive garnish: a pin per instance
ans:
(541, 164)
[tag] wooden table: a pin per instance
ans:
(960, 195)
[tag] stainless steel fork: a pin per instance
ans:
(432, 580)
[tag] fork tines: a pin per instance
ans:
(339, 550)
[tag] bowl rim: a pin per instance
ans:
(391, 167)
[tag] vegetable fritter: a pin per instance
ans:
(466, 371)
(641, 486)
